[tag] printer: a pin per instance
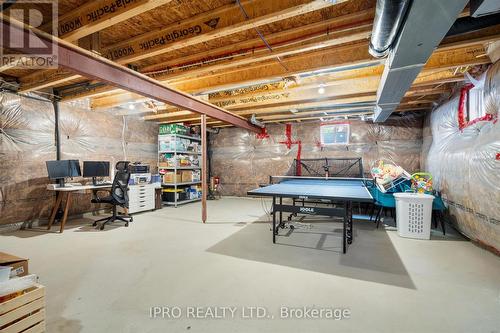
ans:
(140, 173)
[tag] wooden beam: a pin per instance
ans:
(96, 15)
(349, 56)
(221, 22)
(362, 33)
(88, 64)
(86, 20)
(201, 28)
(339, 79)
(277, 40)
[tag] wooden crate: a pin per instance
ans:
(24, 313)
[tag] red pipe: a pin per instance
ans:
(462, 123)
(289, 143)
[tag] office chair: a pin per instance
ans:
(118, 197)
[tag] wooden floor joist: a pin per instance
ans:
(89, 65)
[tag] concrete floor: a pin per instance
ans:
(107, 281)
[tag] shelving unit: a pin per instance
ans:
(175, 153)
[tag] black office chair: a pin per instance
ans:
(118, 197)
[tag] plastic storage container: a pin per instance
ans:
(5, 273)
(414, 214)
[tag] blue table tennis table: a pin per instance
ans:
(335, 195)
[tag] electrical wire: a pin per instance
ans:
(247, 17)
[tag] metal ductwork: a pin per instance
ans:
(425, 25)
(469, 24)
(484, 7)
(389, 17)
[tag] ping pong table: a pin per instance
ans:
(335, 195)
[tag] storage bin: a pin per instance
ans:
(414, 214)
(5, 273)
(169, 195)
(173, 129)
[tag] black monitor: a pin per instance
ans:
(94, 169)
(63, 169)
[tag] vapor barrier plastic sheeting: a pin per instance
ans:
(27, 140)
(465, 165)
(243, 161)
(25, 125)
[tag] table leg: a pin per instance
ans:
(66, 210)
(59, 196)
(281, 214)
(344, 233)
(350, 233)
(274, 220)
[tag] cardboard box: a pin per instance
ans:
(19, 265)
(171, 177)
(186, 176)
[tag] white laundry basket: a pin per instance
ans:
(414, 214)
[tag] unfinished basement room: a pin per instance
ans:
(250, 166)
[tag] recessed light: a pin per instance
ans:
(131, 106)
(321, 89)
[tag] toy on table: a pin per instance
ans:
(387, 175)
(421, 182)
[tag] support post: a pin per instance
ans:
(56, 128)
(204, 187)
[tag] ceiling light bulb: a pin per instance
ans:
(131, 106)
(321, 90)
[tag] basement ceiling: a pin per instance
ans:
(280, 60)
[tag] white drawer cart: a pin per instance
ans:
(141, 198)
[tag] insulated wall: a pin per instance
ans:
(243, 161)
(466, 164)
(28, 140)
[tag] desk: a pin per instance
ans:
(62, 192)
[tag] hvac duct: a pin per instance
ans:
(389, 17)
(425, 25)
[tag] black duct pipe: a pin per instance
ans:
(389, 17)
(470, 24)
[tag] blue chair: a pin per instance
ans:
(438, 210)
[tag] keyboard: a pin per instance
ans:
(104, 184)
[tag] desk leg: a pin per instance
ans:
(274, 220)
(66, 210)
(59, 196)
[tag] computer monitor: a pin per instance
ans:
(94, 169)
(63, 169)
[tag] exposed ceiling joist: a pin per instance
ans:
(348, 56)
(98, 15)
(276, 40)
(201, 28)
(89, 65)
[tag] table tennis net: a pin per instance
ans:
(336, 167)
